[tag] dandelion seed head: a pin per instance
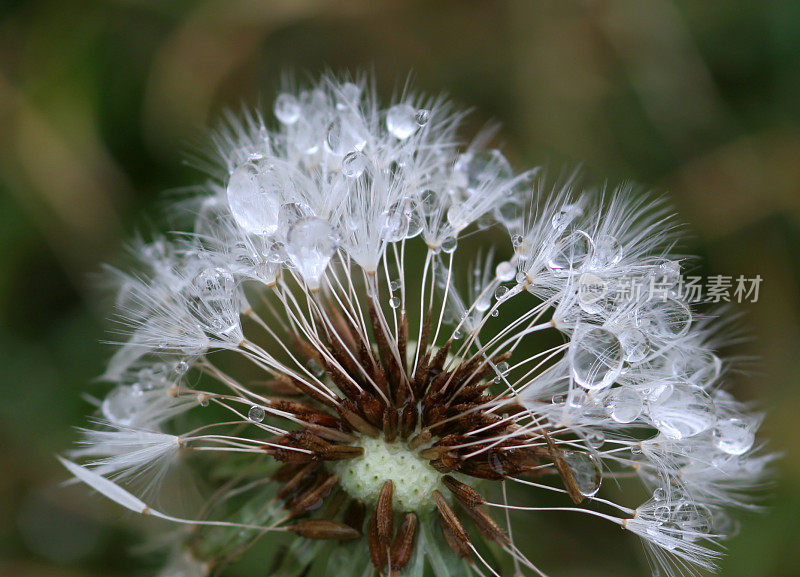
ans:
(335, 354)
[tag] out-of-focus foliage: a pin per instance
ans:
(100, 102)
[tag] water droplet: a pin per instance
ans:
(661, 513)
(457, 335)
(495, 313)
(508, 212)
(349, 96)
(505, 271)
(724, 525)
(624, 405)
(449, 244)
(214, 282)
(182, 367)
(422, 116)
(734, 436)
(659, 494)
(570, 252)
(202, 400)
(565, 216)
(287, 109)
(682, 410)
(635, 345)
(428, 201)
(345, 135)
(500, 292)
(476, 169)
(394, 302)
(521, 277)
(310, 243)
(607, 251)
(701, 367)
(595, 439)
(306, 137)
(256, 414)
(395, 284)
(458, 216)
(673, 318)
(586, 472)
(669, 272)
(502, 367)
(415, 224)
(397, 224)
(122, 404)
(254, 197)
(595, 356)
(401, 121)
(354, 164)
(516, 240)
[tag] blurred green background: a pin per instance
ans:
(99, 102)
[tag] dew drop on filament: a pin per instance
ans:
(734, 436)
(595, 356)
(287, 109)
(401, 120)
(624, 405)
(256, 414)
(254, 197)
(585, 471)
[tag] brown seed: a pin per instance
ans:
(423, 437)
(381, 527)
(334, 504)
(347, 411)
(408, 420)
(454, 532)
(354, 515)
(299, 481)
(339, 452)
(323, 529)
(446, 463)
(564, 470)
(403, 544)
(313, 498)
(287, 471)
(390, 418)
(487, 526)
(465, 494)
(329, 434)
(280, 387)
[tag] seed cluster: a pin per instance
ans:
(443, 412)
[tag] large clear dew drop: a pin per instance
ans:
(122, 404)
(287, 109)
(354, 164)
(624, 405)
(254, 193)
(476, 169)
(682, 410)
(595, 356)
(586, 472)
(401, 120)
(212, 294)
(310, 243)
(734, 436)
(570, 252)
